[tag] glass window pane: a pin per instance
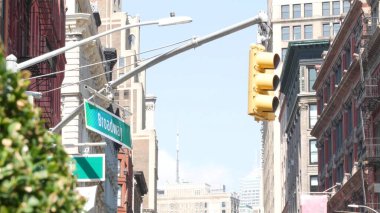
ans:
(119, 195)
(346, 6)
(326, 30)
(313, 152)
(308, 10)
(325, 8)
(296, 11)
(283, 53)
(336, 27)
(296, 32)
(312, 76)
(285, 33)
(121, 62)
(313, 183)
(284, 11)
(336, 7)
(312, 115)
(308, 31)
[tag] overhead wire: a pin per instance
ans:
(93, 64)
(96, 76)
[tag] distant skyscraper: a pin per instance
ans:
(250, 193)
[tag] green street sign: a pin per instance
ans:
(89, 167)
(107, 124)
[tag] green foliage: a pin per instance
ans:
(34, 168)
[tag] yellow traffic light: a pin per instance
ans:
(262, 82)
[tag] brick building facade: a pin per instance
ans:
(347, 130)
(30, 28)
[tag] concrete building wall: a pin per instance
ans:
(317, 20)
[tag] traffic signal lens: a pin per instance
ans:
(267, 60)
(266, 81)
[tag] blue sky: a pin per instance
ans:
(202, 91)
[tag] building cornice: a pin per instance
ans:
(338, 43)
(308, 19)
(294, 56)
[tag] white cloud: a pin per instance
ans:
(213, 174)
(166, 168)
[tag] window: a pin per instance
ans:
(296, 11)
(312, 115)
(296, 32)
(119, 195)
(308, 10)
(308, 31)
(339, 136)
(312, 75)
(223, 204)
(350, 120)
(346, 6)
(313, 152)
(336, 7)
(336, 27)
(326, 30)
(122, 62)
(313, 183)
(285, 33)
(118, 167)
(325, 8)
(284, 11)
(283, 53)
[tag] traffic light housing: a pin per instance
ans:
(262, 82)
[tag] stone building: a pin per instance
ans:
(82, 21)
(298, 115)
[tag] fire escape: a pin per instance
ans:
(44, 84)
(369, 95)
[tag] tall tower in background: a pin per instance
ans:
(177, 168)
(132, 95)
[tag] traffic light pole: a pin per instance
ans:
(195, 42)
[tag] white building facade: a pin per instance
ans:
(81, 22)
(190, 198)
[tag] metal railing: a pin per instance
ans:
(370, 25)
(370, 90)
(372, 149)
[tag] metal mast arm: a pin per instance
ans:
(192, 44)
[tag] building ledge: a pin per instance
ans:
(336, 100)
(78, 16)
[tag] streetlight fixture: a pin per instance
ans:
(174, 20)
(12, 62)
(361, 206)
(336, 185)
